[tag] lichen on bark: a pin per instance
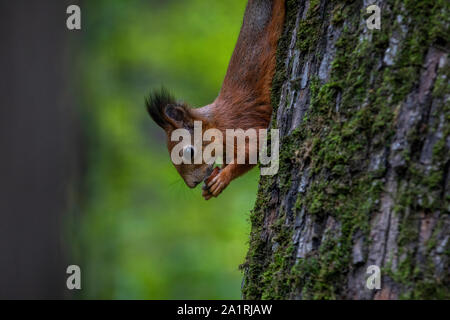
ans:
(364, 156)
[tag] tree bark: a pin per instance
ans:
(364, 156)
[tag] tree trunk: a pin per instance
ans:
(364, 156)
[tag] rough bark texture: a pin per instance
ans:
(364, 156)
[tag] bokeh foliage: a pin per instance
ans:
(139, 232)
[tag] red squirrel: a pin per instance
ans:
(243, 101)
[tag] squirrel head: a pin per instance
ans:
(171, 115)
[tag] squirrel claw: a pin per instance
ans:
(213, 174)
(218, 184)
(206, 194)
(213, 185)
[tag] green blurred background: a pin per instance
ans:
(139, 232)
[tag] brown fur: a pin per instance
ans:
(244, 99)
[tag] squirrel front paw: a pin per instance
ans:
(215, 183)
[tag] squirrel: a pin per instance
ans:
(243, 101)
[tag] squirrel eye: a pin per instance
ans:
(188, 154)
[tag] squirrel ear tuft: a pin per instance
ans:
(156, 104)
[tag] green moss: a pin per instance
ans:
(338, 14)
(420, 282)
(309, 29)
(282, 50)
